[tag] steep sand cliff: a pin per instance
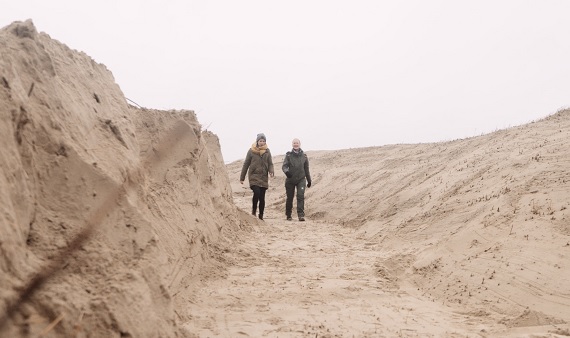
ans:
(115, 212)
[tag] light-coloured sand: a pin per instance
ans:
(121, 221)
(463, 238)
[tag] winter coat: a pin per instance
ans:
(259, 163)
(297, 164)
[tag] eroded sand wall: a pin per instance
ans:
(151, 184)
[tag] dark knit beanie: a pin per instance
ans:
(260, 136)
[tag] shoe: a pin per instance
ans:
(261, 217)
(302, 219)
(289, 218)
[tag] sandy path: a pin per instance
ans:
(310, 279)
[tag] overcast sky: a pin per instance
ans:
(336, 74)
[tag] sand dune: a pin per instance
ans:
(478, 225)
(124, 221)
(110, 215)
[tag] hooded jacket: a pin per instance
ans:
(259, 164)
(297, 164)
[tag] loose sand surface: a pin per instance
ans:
(316, 279)
(321, 279)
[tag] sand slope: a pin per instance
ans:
(480, 226)
(118, 211)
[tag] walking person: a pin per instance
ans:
(296, 168)
(259, 163)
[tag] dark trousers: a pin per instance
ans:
(290, 190)
(258, 197)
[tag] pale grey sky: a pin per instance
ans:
(336, 74)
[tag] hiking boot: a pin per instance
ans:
(302, 219)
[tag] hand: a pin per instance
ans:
(309, 184)
(288, 174)
(271, 174)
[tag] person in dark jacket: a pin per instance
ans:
(259, 163)
(296, 168)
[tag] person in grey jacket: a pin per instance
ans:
(296, 168)
(259, 163)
